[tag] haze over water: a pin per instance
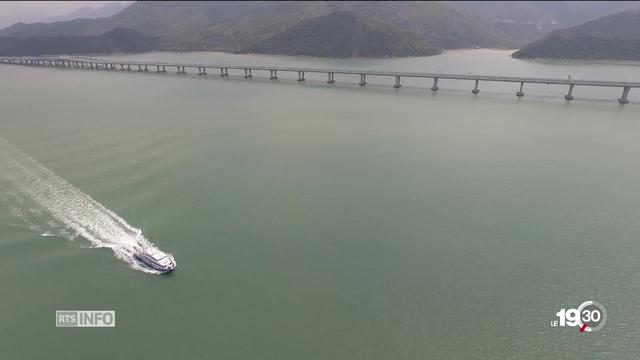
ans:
(327, 222)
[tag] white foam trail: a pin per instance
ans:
(77, 211)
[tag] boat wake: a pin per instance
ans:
(53, 207)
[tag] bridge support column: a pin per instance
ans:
(301, 76)
(139, 68)
(520, 93)
(164, 70)
(475, 88)
(146, 68)
(569, 95)
(274, 75)
(331, 79)
(121, 67)
(363, 80)
(181, 70)
(91, 66)
(224, 71)
(625, 93)
(435, 85)
(397, 85)
(202, 70)
(128, 67)
(247, 74)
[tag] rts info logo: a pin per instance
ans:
(590, 316)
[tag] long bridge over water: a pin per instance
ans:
(247, 72)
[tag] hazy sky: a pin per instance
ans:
(34, 11)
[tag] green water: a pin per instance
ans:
(327, 222)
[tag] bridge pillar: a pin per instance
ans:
(397, 85)
(475, 88)
(520, 93)
(274, 75)
(301, 76)
(247, 74)
(435, 85)
(121, 67)
(128, 67)
(164, 70)
(146, 68)
(91, 65)
(331, 79)
(625, 93)
(139, 68)
(569, 95)
(363, 80)
(202, 70)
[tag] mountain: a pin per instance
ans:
(116, 40)
(343, 34)
(527, 21)
(234, 26)
(87, 12)
(404, 27)
(614, 36)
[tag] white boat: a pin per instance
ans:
(155, 258)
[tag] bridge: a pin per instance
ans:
(247, 72)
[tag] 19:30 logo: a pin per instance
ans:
(590, 316)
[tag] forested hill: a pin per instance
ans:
(615, 36)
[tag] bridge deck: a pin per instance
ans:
(626, 85)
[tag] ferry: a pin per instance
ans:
(155, 259)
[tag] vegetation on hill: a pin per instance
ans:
(343, 34)
(116, 40)
(614, 36)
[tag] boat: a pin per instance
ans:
(155, 258)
